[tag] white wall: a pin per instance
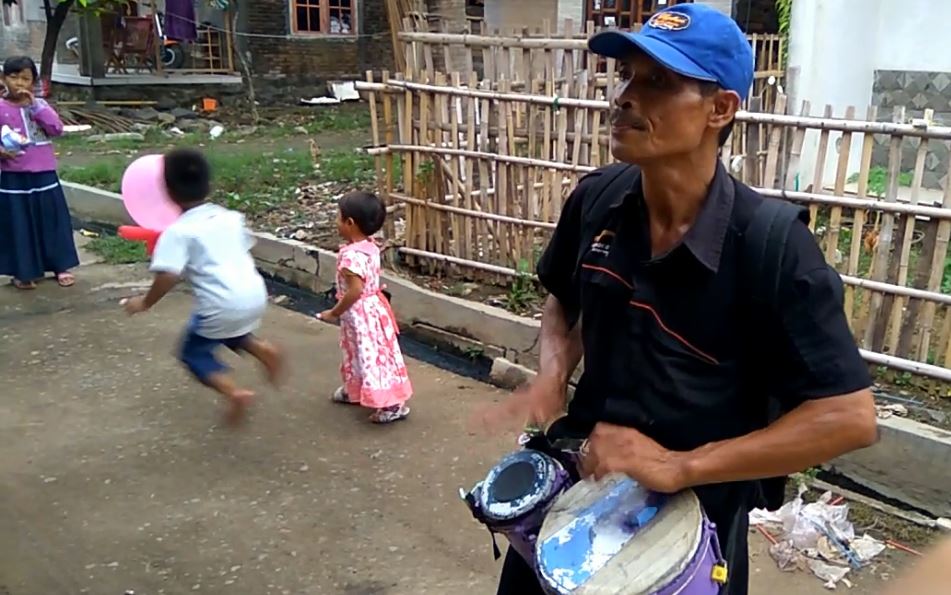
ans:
(837, 45)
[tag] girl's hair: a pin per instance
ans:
(365, 208)
(17, 64)
(187, 176)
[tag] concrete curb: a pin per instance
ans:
(911, 463)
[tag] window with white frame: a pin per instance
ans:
(324, 17)
(13, 14)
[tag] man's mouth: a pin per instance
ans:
(625, 123)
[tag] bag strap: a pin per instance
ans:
(765, 247)
(614, 178)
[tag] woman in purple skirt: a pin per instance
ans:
(36, 233)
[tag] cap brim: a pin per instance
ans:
(619, 44)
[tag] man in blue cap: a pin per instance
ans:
(716, 349)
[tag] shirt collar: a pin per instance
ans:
(706, 236)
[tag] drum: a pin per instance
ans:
(614, 537)
(515, 496)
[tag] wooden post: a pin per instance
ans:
(93, 62)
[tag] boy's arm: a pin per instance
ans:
(161, 285)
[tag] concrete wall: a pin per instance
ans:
(839, 47)
(507, 15)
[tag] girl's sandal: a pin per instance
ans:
(65, 279)
(24, 285)
(389, 414)
(340, 396)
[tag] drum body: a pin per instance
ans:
(516, 495)
(614, 537)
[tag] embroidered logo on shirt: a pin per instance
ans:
(602, 242)
(669, 20)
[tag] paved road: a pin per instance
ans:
(116, 474)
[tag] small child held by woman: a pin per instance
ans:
(374, 373)
(209, 246)
(36, 233)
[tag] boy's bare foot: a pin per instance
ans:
(238, 400)
(271, 357)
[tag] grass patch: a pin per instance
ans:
(347, 166)
(878, 180)
(116, 250)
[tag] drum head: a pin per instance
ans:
(615, 537)
(517, 484)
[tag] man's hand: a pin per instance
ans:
(537, 403)
(616, 449)
(134, 305)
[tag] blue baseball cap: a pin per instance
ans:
(693, 40)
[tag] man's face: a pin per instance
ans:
(657, 113)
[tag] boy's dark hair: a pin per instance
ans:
(15, 64)
(365, 208)
(187, 176)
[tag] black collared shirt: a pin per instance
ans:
(670, 344)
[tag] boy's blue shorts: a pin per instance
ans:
(198, 353)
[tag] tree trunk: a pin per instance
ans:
(55, 17)
(245, 67)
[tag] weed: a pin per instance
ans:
(522, 293)
(116, 250)
(474, 352)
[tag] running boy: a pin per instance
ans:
(208, 246)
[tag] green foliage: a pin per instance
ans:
(878, 180)
(784, 15)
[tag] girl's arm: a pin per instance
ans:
(354, 290)
(46, 117)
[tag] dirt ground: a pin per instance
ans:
(117, 474)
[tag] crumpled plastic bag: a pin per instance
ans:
(817, 537)
(830, 575)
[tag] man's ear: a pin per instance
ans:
(725, 106)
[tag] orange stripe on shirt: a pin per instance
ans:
(608, 272)
(667, 330)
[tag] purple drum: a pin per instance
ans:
(613, 537)
(516, 495)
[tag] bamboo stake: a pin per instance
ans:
(936, 276)
(904, 257)
(775, 137)
(819, 170)
(875, 332)
(858, 220)
(835, 217)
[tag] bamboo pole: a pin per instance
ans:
(820, 124)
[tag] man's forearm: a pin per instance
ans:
(813, 433)
(559, 345)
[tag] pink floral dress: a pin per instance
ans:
(374, 373)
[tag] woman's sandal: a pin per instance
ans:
(24, 285)
(65, 279)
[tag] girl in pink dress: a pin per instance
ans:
(373, 371)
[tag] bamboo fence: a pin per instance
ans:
(485, 165)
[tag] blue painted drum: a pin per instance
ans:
(613, 537)
(515, 496)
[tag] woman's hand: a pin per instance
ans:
(4, 154)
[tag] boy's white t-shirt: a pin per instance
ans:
(209, 246)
